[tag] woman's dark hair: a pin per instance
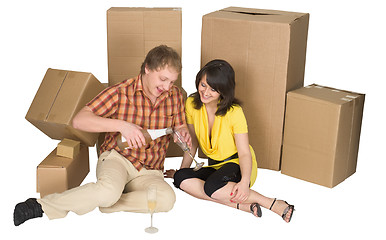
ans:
(221, 77)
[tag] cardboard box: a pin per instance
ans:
(68, 148)
(59, 98)
(321, 134)
(267, 50)
(56, 174)
(133, 32)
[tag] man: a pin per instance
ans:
(149, 101)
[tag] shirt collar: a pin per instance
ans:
(139, 87)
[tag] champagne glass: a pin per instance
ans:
(184, 146)
(151, 204)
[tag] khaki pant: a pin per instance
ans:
(119, 187)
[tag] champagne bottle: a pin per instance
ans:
(149, 134)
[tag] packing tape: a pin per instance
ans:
(346, 99)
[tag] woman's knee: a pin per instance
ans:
(211, 186)
(181, 175)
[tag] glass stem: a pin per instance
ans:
(151, 219)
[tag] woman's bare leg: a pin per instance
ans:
(195, 187)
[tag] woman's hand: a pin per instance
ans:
(133, 135)
(240, 192)
(169, 173)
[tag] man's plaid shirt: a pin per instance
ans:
(127, 101)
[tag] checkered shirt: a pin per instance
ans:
(127, 101)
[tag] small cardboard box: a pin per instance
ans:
(68, 148)
(267, 50)
(133, 32)
(59, 98)
(56, 174)
(321, 134)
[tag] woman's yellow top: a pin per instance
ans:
(221, 144)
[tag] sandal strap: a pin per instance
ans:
(258, 210)
(290, 207)
(272, 204)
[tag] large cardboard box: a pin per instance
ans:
(133, 32)
(267, 50)
(321, 134)
(59, 98)
(56, 174)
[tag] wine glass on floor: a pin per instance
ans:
(151, 205)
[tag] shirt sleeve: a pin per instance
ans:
(237, 120)
(189, 110)
(180, 117)
(105, 104)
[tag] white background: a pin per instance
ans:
(346, 50)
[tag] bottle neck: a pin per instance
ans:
(156, 133)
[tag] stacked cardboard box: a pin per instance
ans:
(321, 134)
(59, 98)
(64, 168)
(131, 34)
(267, 50)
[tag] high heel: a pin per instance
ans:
(252, 208)
(286, 210)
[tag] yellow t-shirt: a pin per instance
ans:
(222, 144)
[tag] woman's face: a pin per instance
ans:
(207, 93)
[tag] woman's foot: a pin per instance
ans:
(254, 208)
(283, 209)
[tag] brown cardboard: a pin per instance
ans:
(56, 174)
(267, 50)
(68, 148)
(59, 98)
(133, 32)
(321, 134)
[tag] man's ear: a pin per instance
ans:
(146, 69)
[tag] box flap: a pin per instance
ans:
(46, 95)
(54, 161)
(65, 106)
(261, 15)
(326, 94)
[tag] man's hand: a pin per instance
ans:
(133, 135)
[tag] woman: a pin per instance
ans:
(216, 122)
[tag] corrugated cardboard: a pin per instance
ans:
(56, 174)
(267, 50)
(59, 98)
(321, 134)
(68, 148)
(133, 32)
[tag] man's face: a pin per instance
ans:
(155, 82)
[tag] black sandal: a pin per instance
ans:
(251, 207)
(289, 207)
